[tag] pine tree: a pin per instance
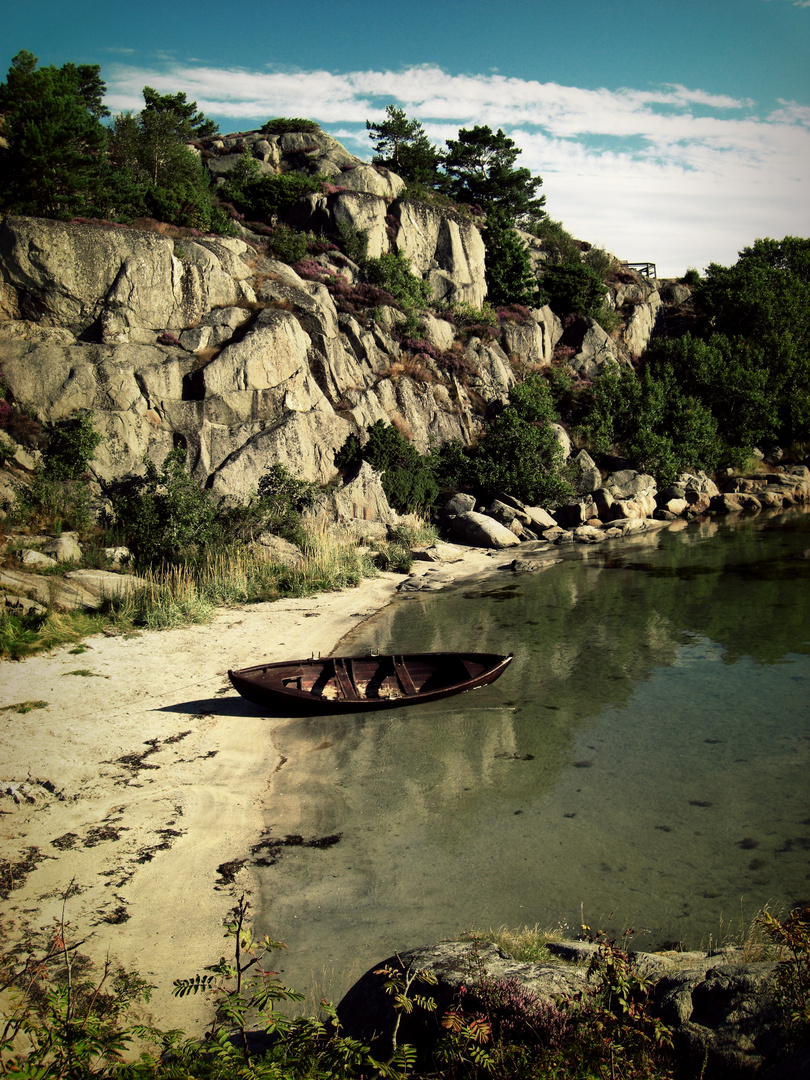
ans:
(480, 169)
(403, 147)
(150, 147)
(510, 278)
(55, 161)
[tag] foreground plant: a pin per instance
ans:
(792, 978)
(58, 1022)
(246, 992)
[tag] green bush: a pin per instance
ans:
(353, 242)
(730, 378)
(163, 515)
(574, 290)
(599, 260)
(649, 419)
(264, 196)
(471, 320)
(408, 478)
(558, 244)
(519, 453)
(58, 495)
(71, 445)
(281, 498)
(510, 278)
(393, 273)
(690, 278)
(286, 244)
(281, 125)
(762, 306)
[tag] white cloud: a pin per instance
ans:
(671, 174)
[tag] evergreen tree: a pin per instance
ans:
(762, 306)
(403, 147)
(179, 115)
(55, 162)
(510, 278)
(170, 182)
(480, 170)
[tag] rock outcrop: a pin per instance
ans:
(206, 343)
(202, 342)
(720, 1008)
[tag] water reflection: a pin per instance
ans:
(642, 761)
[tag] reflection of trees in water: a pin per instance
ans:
(575, 653)
(742, 589)
(584, 633)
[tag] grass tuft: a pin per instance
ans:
(526, 944)
(25, 706)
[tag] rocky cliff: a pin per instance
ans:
(205, 342)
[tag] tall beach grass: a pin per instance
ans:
(172, 595)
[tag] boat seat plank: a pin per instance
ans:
(344, 680)
(405, 680)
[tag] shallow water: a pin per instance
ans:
(642, 764)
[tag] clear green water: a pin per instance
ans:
(643, 762)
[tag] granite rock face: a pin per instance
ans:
(205, 343)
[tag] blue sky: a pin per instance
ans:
(675, 131)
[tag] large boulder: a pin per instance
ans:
(304, 442)
(532, 341)
(366, 1011)
(594, 351)
(586, 475)
(360, 210)
(626, 483)
(478, 530)
(641, 323)
(269, 357)
(721, 1010)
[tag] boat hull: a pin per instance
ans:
(365, 683)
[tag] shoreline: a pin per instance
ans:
(151, 779)
(139, 796)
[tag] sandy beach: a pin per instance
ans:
(137, 785)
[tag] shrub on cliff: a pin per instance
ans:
(281, 125)
(408, 478)
(706, 399)
(574, 289)
(510, 278)
(520, 453)
(393, 274)
(62, 162)
(264, 196)
(165, 516)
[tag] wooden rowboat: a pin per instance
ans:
(338, 684)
